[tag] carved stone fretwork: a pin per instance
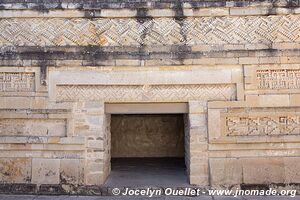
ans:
(278, 79)
(17, 82)
(145, 92)
(263, 125)
(160, 31)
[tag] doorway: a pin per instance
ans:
(147, 150)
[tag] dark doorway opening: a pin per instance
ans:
(147, 150)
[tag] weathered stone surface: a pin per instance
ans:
(95, 178)
(108, 32)
(32, 127)
(226, 172)
(263, 171)
(71, 171)
(45, 171)
(23, 189)
(138, 4)
(291, 169)
(15, 170)
(17, 82)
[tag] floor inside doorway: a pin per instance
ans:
(141, 172)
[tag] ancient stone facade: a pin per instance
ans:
(231, 67)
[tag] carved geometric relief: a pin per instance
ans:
(262, 125)
(145, 92)
(157, 31)
(17, 82)
(278, 79)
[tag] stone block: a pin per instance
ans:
(15, 170)
(295, 99)
(197, 107)
(269, 60)
(94, 104)
(95, 144)
(93, 166)
(91, 154)
(197, 120)
(71, 171)
(199, 180)
(198, 169)
(161, 12)
(263, 170)
(45, 171)
(95, 178)
(207, 12)
(214, 123)
(291, 169)
(227, 61)
(197, 135)
(61, 63)
(112, 13)
(249, 11)
(252, 100)
(33, 127)
(199, 146)
(197, 157)
(225, 171)
(290, 59)
(248, 60)
(128, 62)
(274, 100)
(94, 120)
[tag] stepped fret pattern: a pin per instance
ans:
(145, 92)
(266, 125)
(16, 82)
(158, 31)
(279, 79)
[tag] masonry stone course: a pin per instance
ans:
(234, 65)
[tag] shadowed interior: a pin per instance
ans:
(147, 135)
(147, 150)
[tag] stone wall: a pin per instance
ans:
(235, 63)
(147, 136)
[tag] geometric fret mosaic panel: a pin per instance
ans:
(157, 31)
(17, 82)
(135, 93)
(278, 79)
(283, 124)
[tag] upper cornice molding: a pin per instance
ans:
(140, 9)
(45, 5)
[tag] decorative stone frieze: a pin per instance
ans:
(278, 79)
(150, 93)
(263, 124)
(160, 31)
(17, 82)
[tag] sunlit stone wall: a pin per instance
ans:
(236, 64)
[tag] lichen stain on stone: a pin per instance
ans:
(50, 173)
(64, 178)
(14, 170)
